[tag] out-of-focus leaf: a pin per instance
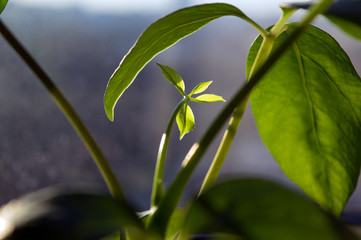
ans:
(59, 215)
(174, 78)
(157, 37)
(175, 224)
(208, 98)
(308, 113)
(200, 88)
(346, 14)
(185, 120)
(2, 5)
(260, 210)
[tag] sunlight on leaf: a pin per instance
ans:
(185, 120)
(2, 5)
(200, 88)
(156, 38)
(308, 113)
(260, 210)
(208, 98)
(174, 78)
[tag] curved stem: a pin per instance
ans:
(162, 152)
(227, 140)
(69, 112)
(160, 218)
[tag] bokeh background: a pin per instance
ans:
(80, 43)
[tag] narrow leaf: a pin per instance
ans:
(185, 120)
(308, 112)
(175, 224)
(54, 214)
(346, 14)
(260, 210)
(174, 78)
(208, 98)
(156, 38)
(200, 88)
(2, 5)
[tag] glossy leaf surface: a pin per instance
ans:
(308, 112)
(260, 210)
(2, 5)
(53, 214)
(346, 14)
(157, 37)
(185, 120)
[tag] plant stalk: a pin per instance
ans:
(227, 140)
(158, 187)
(171, 199)
(69, 112)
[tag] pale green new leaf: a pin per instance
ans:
(185, 120)
(308, 112)
(260, 210)
(156, 38)
(200, 88)
(208, 98)
(2, 5)
(174, 78)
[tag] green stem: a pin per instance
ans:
(162, 152)
(69, 113)
(171, 199)
(227, 140)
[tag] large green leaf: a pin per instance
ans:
(53, 214)
(346, 14)
(308, 112)
(260, 210)
(157, 37)
(2, 5)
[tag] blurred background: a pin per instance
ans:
(79, 44)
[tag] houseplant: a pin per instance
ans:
(307, 110)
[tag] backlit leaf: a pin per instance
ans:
(156, 38)
(260, 210)
(200, 88)
(174, 78)
(208, 98)
(185, 120)
(308, 112)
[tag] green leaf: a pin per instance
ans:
(174, 78)
(308, 113)
(200, 88)
(156, 38)
(54, 214)
(2, 5)
(208, 98)
(346, 14)
(175, 224)
(185, 120)
(260, 210)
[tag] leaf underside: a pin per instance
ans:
(260, 210)
(308, 112)
(156, 38)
